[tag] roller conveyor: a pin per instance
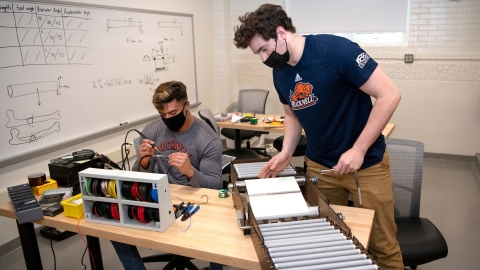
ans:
(343, 254)
(317, 239)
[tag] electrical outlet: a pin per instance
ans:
(408, 58)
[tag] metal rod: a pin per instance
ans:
(315, 255)
(310, 246)
(358, 188)
(281, 224)
(295, 235)
(293, 225)
(327, 263)
(309, 251)
(302, 241)
(326, 171)
(276, 233)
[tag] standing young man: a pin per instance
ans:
(325, 84)
(191, 153)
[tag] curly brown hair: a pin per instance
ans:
(264, 22)
(167, 92)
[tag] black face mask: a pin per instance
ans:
(174, 123)
(275, 60)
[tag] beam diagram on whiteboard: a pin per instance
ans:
(130, 23)
(35, 88)
(33, 128)
(172, 25)
(17, 138)
(14, 122)
(161, 58)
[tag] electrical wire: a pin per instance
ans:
(204, 195)
(177, 198)
(53, 251)
(189, 224)
(86, 245)
(81, 261)
(123, 149)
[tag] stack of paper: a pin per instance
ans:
(275, 198)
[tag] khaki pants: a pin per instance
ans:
(377, 194)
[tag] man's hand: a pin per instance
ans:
(275, 165)
(182, 163)
(145, 149)
(349, 162)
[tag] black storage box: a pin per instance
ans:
(66, 175)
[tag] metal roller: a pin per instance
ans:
(253, 164)
(295, 235)
(363, 267)
(310, 246)
(281, 224)
(282, 243)
(309, 251)
(315, 255)
(249, 175)
(251, 170)
(327, 264)
(312, 212)
(293, 225)
(320, 229)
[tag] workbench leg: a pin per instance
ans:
(237, 139)
(94, 246)
(28, 239)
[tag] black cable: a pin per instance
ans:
(53, 251)
(123, 148)
(81, 261)
(108, 161)
(127, 151)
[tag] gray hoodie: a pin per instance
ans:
(200, 142)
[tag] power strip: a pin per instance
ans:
(55, 234)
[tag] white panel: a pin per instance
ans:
(348, 16)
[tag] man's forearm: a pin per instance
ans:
(381, 113)
(292, 131)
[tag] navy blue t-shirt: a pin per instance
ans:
(323, 92)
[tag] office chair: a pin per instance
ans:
(239, 154)
(299, 150)
(174, 261)
(420, 241)
(249, 100)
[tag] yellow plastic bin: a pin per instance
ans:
(73, 207)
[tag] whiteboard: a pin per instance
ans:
(70, 70)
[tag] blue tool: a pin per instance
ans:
(195, 210)
(188, 214)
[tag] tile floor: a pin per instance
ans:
(450, 199)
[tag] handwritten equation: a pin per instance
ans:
(105, 83)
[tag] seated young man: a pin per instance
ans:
(191, 153)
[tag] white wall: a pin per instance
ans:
(203, 26)
(440, 90)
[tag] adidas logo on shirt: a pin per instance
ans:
(298, 78)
